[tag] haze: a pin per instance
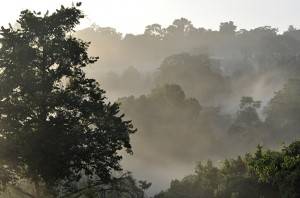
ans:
(131, 16)
(199, 79)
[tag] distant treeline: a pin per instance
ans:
(253, 62)
(173, 126)
(262, 45)
(195, 93)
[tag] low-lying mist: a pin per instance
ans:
(195, 94)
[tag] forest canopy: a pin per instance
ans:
(264, 173)
(56, 129)
(243, 84)
(192, 93)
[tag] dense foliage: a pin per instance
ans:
(197, 94)
(265, 173)
(189, 70)
(283, 111)
(166, 117)
(256, 61)
(56, 127)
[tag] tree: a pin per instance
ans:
(250, 176)
(167, 117)
(239, 181)
(155, 30)
(124, 186)
(279, 168)
(283, 111)
(55, 125)
(189, 70)
(180, 28)
(247, 129)
(228, 28)
(247, 117)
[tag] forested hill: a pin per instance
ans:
(188, 89)
(116, 116)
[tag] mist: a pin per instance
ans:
(178, 110)
(182, 86)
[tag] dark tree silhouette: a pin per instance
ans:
(247, 117)
(228, 27)
(55, 126)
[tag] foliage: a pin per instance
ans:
(228, 28)
(283, 111)
(281, 169)
(264, 173)
(166, 117)
(247, 117)
(247, 129)
(124, 186)
(56, 127)
(190, 70)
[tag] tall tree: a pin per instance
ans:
(228, 28)
(283, 111)
(247, 117)
(55, 125)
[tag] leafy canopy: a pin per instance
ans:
(55, 125)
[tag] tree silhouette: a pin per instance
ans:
(228, 27)
(55, 125)
(247, 117)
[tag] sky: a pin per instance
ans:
(131, 16)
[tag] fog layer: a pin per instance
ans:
(194, 93)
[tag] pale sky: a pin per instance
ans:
(131, 16)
